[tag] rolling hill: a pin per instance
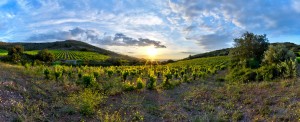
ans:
(73, 45)
(225, 52)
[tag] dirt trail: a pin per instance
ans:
(10, 76)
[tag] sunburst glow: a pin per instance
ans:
(152, 52)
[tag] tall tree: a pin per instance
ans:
(249, 50)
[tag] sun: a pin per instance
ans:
(152, 52)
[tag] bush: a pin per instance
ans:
(45, 55)
(47, 73)
(15, 53)
(283, 61)
(241, 75)
(57, 72)
(267, 73)
(288, 69)
(277, 54)
(89, 81)
(152, 82)
(86, 101)
(128, 86)
(140, 84)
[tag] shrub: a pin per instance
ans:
(166, 83)
(47, 73)
(152, 82)
(241, 75)
(288, 69)
(125, 75)
(128, 86)
(284, 60)
(89, 81)
(57, 72)
(185, 78)
(109, 73)
(277, 54)
(140, 84)
(45, 55)
(86, 101)
(15, 53)
(266, 73)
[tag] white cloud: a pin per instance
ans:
(3, 2)
(296, 5)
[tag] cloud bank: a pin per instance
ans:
(95, 37)
(183, 25)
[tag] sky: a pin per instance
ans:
(175, 28)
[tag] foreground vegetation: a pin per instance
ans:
(29, 95)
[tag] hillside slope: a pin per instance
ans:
(225, 52)
(66, 45)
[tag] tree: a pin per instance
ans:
(18, 49)
(45, 55)
(248, 50)
(15, 53)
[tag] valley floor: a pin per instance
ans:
(27, 96)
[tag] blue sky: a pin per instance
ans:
(176, 28)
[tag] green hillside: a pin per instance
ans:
(225, 52)
(208, 61)
(73, 55)
(72, 45)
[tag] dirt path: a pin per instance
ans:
(9, 78)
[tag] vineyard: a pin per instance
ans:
(127, 78)
(191, 90)
(73, 55)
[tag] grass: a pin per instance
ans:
(32, 97)
(3, 52)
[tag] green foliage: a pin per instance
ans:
(288, 69)
(167, 83)
(284, 59)
(72, 55)
(3, 52)
(89, 81)
(277, 62)
(152, 82)
(128, 86)
(267, 73)
(277, 54)
(140, 83)
(15, 54)
(248, 47)
(125, 75)
(241, 75)
(45, 55)
(47, 73)
(18, 49)
(86, 101)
